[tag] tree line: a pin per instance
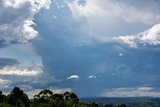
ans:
(45, 98)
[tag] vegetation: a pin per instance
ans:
(46, 98)
(128, 101)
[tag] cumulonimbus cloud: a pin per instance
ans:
(16, 21)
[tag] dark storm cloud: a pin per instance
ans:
(2, 43)
(4, 62)
(16, 27)
(68, 48)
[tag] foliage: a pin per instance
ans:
(122, 105)
(108, 105)
(46, 98)
(2, 97)
(18, 98)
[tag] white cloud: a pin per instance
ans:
(152, 36)
(148, 37)
(128, 40)
(16, 21)
(109, 8)
(17, 72)
(106, 17)
(92, 77)
(73, 77)
(132, 92)
(120, 54)
(3, 83)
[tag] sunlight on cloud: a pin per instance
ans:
(108, 8)
(120, 54)
(73, 77)
(38, 4)
(128, 40)
(16, 21)
(149, 37)
(106, 17)
(14, 71)
(152, 36)
(92, 77)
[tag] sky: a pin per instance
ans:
(95, 48)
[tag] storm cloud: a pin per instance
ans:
(4, 62)
(16, 21)
(79, 39)
(82, 47)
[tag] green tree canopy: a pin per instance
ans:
(17, 97)
(2, 97)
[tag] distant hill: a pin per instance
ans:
(129, 101)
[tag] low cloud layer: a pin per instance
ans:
(131, 92)
(15, 71)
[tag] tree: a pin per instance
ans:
(70, 96)
(44, 96)
(94, 104)
(46, 93)
(74, 97)
(122, 105)
(66, 95)
(108, 105)
(58, 97)
(2, 97)
(17, 97)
